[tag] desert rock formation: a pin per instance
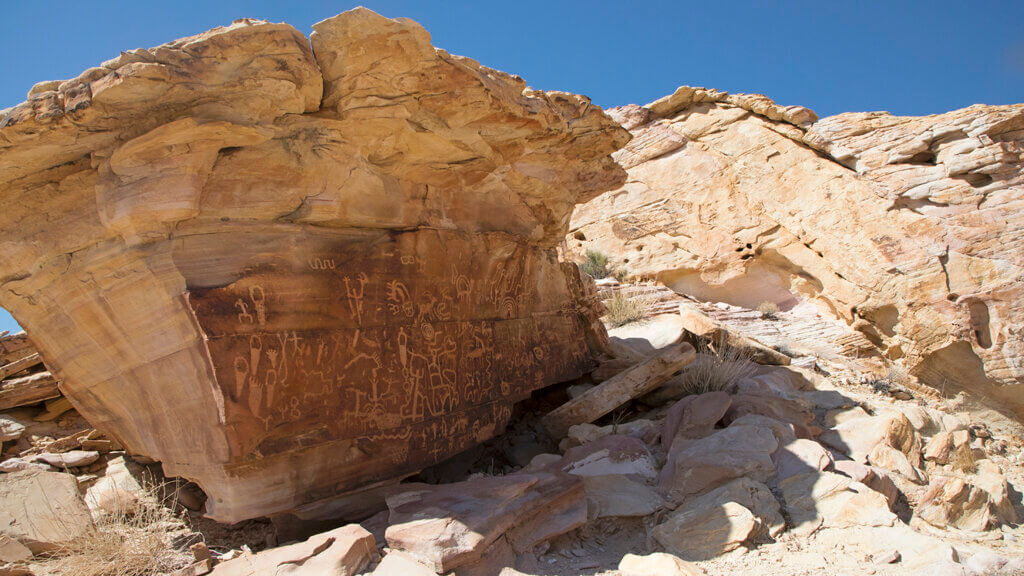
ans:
(908, 229)
(288, 268)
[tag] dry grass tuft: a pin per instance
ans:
(768, 310)
(136, 539)
(622, 309)
(716, 368)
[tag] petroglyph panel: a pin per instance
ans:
(390, 346)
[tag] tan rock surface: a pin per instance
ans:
(699, 465)
(657, 564)
(973, 502)
(42, 510)
(452, 525)
(750, 494)
(288, 273)
(706, 533)
(908, 229)
(343, 551)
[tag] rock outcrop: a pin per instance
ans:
(908, 229)
(290, 271)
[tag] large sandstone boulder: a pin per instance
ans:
(287, 273)
(908, 229)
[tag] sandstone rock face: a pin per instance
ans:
(288, 272)
(908, 229)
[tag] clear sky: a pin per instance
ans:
(907, 57)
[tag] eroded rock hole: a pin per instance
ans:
(976, 180)
(980, 323)
(926, 158)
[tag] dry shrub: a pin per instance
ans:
(136, 539)
(622, 309)
(768, 310)
(717, 367)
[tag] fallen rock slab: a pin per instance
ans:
(694, 416)
(18, 464)
(877, 480)
(10, 428)
(614, 454)
(42, 510)
(26, 390)
(69, 459)
(702, 534)
(20, 364)
(13, 551)
(657, 564)
(858, 436)
(773, 406)
(752, 495)
(800, 456)
(619, 389)
(618, 495)
(119, 490)
(451, 525)
(584, 433)
(343, 551)
(398, 564)
(824, 499)
(736, 451)
(54, 408)
(783, 431)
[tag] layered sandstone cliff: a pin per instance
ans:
(909, 229)
(290, 271)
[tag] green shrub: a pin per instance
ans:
(596, 265)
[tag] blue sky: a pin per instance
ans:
(904, 57)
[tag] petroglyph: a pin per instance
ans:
(393, 352)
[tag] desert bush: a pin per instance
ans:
(136, 539)
(623, 309)
(596, 265)
(717, 367)
(768, 310)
